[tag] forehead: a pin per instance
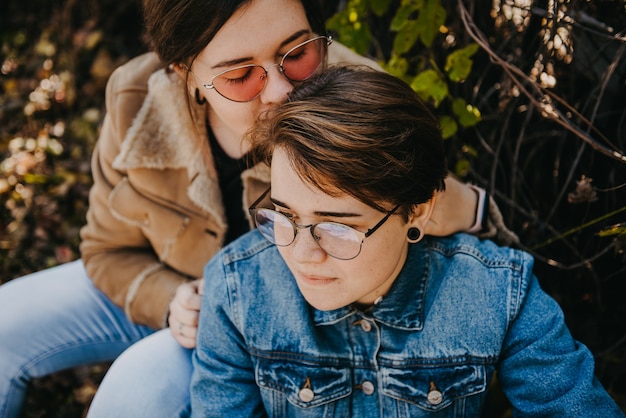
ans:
(288, 187)
(256, 29)
(285, 180)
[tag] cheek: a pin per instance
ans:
(384, 255)
(231, 120)
(242, 122)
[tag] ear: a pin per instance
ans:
(421, 214)
(180, 69)
(185, 74)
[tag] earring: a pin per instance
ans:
(413, 235)
(200, 100)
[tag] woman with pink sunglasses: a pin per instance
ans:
(171, 182)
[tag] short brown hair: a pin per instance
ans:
(359, 131)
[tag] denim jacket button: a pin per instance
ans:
(367, 387)
(435, 397)
(366, 326)
(306, 395)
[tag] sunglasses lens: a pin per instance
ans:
(303, 61)
(245, 83)
(241, 84)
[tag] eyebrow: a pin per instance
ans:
(320, 213)
(230, 63)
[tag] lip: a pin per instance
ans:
(316, 280)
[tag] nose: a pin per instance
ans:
(277, 87)
(305, 248)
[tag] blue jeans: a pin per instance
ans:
(56, 319)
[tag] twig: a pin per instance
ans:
(548, 111)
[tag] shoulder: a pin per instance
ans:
(480, 267)
(135, 73)
(250, 252)
(127, 89)
(248, 271)
(465, 248)
(341, 54)
(477, 276)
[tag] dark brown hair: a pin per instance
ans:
(179, 30)
(361, 132)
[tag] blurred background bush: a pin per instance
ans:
(532, 102)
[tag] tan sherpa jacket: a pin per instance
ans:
(155, 214)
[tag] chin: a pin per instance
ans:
(324, 304)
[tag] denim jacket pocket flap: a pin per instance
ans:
(434, 388)
(304, 385)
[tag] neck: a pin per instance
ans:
(231, 142)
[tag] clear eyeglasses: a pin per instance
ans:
(337, 240)
(246, 82)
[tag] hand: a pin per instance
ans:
(454, 210)
(185, 311)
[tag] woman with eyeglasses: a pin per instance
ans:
(339, 306)
(170, 187)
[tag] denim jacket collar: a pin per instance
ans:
(402, 307)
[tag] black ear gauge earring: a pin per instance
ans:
(413, 235)
(200, 100)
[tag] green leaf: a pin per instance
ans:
(431, 17)
(379, 7)
(405, 38)
(617, 229)
(448, 127)
(462, 167)
(402, 16)
(467, 149)
(352, 31)
(430, 86)
(459, 63)
(20, 39)
(32, 178)
(467, 114)
(397, 66)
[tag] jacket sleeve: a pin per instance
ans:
(116, 255)
(341, 54)
(223, 380)
(543, 371)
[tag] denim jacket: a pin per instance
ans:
(459, 311)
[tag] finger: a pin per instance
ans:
(187, 296)
(184, 335)
(188, 318)
(193, 302)
(179, 314)
(185, 341)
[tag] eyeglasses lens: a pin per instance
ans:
(244, 83)
(339, 241)
(275, 227)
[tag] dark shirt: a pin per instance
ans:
(229, 176)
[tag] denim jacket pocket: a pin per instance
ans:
(316, 387)
(435, 388)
